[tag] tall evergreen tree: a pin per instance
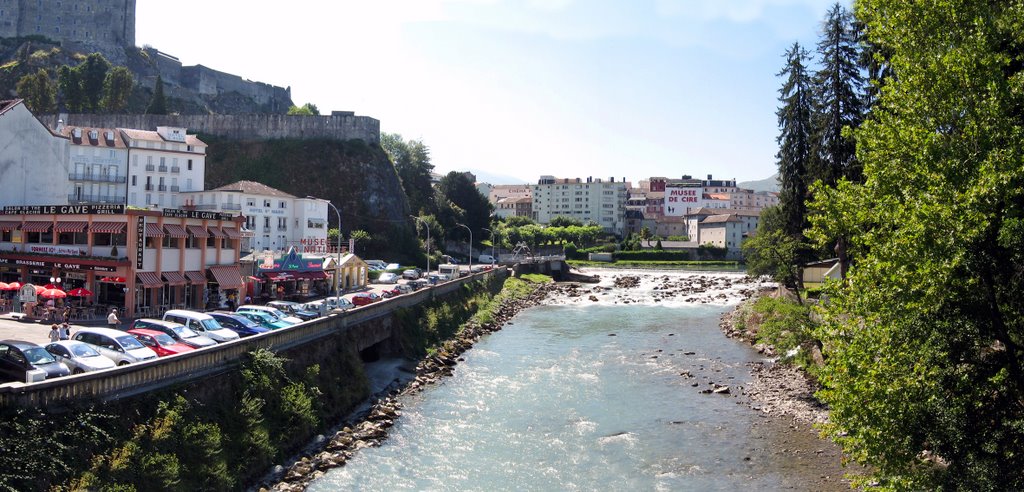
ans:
(838, 88)
(37, 91)
(70, 84)
(93, 74)
(157, 105)
(794, 138)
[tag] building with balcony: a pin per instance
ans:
(274, 220)
(163, 164)
(98, 165)
(602, 202)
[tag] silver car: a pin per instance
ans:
(79, 356)
(116, 345)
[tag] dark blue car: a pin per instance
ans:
(237, 323)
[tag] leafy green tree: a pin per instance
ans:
(158, 104)
(117, 88)
(308, 109)
(518, 220)
(564, 221)
(412, 162)
(38, 92)
(462, 193)
(924, 368)
(645, 235)
(93, 74)
(70, 84)
(774, 252)
(795, 117)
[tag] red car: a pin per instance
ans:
(160, 342)
(386, 293)
(364, 298)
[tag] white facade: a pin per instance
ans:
(98, 170)
(275, 220)
(603, 202)
(163, 165)
(741, 222)
(31, 159)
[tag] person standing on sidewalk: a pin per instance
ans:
(54, 333)
(65, 331)
(112, 320)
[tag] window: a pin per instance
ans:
(266, 203)
(266, 222)
(170, 242)
(190, 164)
(5, 236)
(282, 204)
(72, 238)
(250, 202)
(227, 243)
(192, 242)
(109, 239)
(134, 180)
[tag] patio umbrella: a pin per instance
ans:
(13, 286)
(4, 286)
(80, 292)
(52, 293)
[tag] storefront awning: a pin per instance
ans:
(107, 227)
(153, 230)
(9, 226)
(175, 231)
(37, 226)
(227, 276)
(311, 275)
(232, 233)
(278, 276)
(149, 280)
(195, 277)
(69, 227)
(175, 278)
(198, 231)
(217, 232)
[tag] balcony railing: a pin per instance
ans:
(150, 167)
(79, 199)
(175, 169)
(161, 188)
(149, 187)
(162, 169)
(206, 206)
(231, 206)
(175, 188)
(282, 228)
(102, 178)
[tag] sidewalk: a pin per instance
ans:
(35, 331)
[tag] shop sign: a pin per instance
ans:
(314, 245)
(109, 209)
(17, 237)
(140, 244)
(57, 264)
(293, 262)
(27, 293)
(196, 214)
(55, 250)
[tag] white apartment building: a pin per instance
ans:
(740, 222)
(163, 164)
(31, 159)
(274, 220)
(98, 169)
(752, 200)
(603, 202)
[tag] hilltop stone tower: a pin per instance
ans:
(106, 26)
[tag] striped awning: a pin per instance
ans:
(9, 226)
(198, 231)
(69, 227)
(227, 276)
(149, 280)
(217, 232)
(195, 277)
(153, 230)
(232, 233)
(175, 278)
(175, 230)
(317, 275)
(37, 226)
(107, 227)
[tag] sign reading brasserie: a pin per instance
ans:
(57, 264)
(110, 209)
(196, 214)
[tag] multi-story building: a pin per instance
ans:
(98, 168)
(745, 223)
(753, 200)
(275, 220)
(603, 202)
(34, 161)
(164, 164)
(521, 206)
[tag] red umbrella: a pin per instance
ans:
(53, 293)
(13, 286)
(4, 286)
(80, 292)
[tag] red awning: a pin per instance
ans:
(279, 276)
(175, 230)
(69, 227)
(175, 278)
(319, 275)
(153, 230)
(227, 276)
(195, 277)
(232, 233)
(37, 226)
(9, 226)
(107, 227)
(149, 280)
(198, 231)
(217, 232)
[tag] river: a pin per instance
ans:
(599, 391)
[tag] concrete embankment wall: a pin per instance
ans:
(365, 327)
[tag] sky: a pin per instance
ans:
(521, 88)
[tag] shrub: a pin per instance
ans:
(653, 255)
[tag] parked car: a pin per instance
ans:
(237, 323)
(79, 357)
(388, 293)
(276, 313)
(376, 265)
(418, 284)
(177, 331)
(294, 309)
(412, 273)
(387, 278)
(160, 342)
(405, 288)
(338, 303)
(201, 323)
(115, 345)
(364, 298)
(486, 259)
(18, 357)
(264, 319)
(393, 266)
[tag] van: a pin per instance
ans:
(201, 323)
(448, 271)
(116, 345)
(486, 259)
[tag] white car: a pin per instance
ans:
(119, 346)
(79, 356)
(387, 278)
(201, 323)
(276, 313)
(332, 303)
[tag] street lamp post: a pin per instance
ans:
(427, 227)
(470, 246)
(337, 264)
(492, 244)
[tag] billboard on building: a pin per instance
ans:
(681, 199)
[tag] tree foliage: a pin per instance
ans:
(38, 92)
(70, 84)
(924, 341)
(463, 195)
(308, 109)
(92, 75)
(117, 88)
(158, 104)
(412, 162)
(795, 134)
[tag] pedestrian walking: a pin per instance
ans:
(112, 320)
(65, 331)
(54, 333)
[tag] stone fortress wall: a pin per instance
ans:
(340, 125)
(95, 25)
